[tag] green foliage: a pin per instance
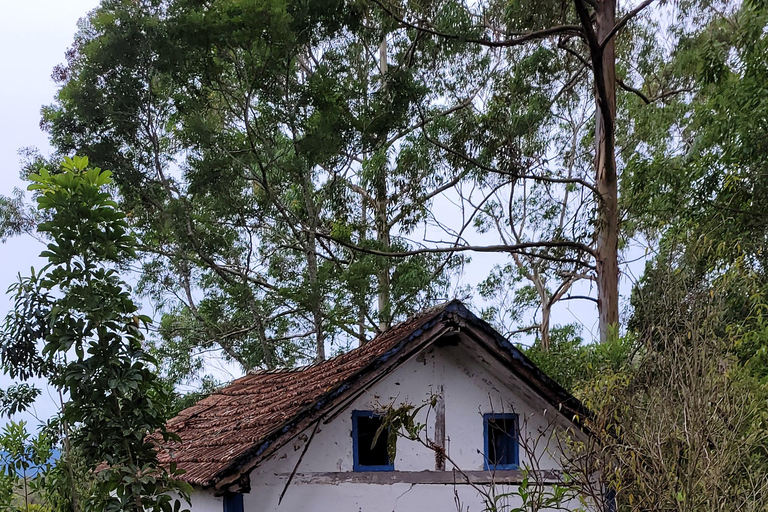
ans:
(17, 398)
(182, 401)
(25, 463)
(572, 363)
(702, 193)
(681, 426)
(15, 217)
(568, 359)
(533, 495)
(93, 346)
(402, 422)
(232, 251)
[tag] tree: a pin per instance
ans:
(541, 35)
(24, 461)
(93, 350)
(699, 185)
(281, 141)
(294, 145)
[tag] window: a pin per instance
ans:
(233, 502)
(501, 448)
(369, 456)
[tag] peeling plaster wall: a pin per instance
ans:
(470, 386)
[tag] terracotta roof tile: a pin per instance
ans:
(228, 424)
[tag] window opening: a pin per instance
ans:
(367, 455)
(501, 446)
(233, 502)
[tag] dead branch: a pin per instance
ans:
(624, 20)
(515, 41)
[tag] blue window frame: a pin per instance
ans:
(501, 444)
(369, 456)
(233, 502)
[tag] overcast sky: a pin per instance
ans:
(33, 38)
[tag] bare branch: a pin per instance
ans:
(654, 99)
(424, 121)
(631, 89)
(515, 41)
(624, 20)
(579, 297)
(562, 45)
(522, 330)
(520, 248)
(477, 163)
(448, 185)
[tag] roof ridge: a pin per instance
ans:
(423, 313)
(262, 371)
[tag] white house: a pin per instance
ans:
(301, 440)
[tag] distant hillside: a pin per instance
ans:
(32, 471)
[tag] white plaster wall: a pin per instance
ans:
(202, 501)
(470, 387)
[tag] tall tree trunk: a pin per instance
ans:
(546, 304)
(382, 235)
(316, 303)
(546, 314)
(382, 219)
(606, 179)
(68, 456)
(362, 311)
(266, 347)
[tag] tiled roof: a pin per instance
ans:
(235, 426)
(228, 424)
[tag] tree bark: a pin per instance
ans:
(546, 314)
(382, 218)
(68, 456)
(606, 178)
(267, 350)
(362, 311)
(382, 234)
(316, 302)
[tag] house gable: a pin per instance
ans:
(227, 435)
(317, 466)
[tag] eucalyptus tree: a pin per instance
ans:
(252, 143)
(334, 118)
(116, 105)
(405, 88)
(279, 158)
(699, 186)
(205, 224)
(553, 207)
(561, 51)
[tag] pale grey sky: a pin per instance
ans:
(34, 36)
